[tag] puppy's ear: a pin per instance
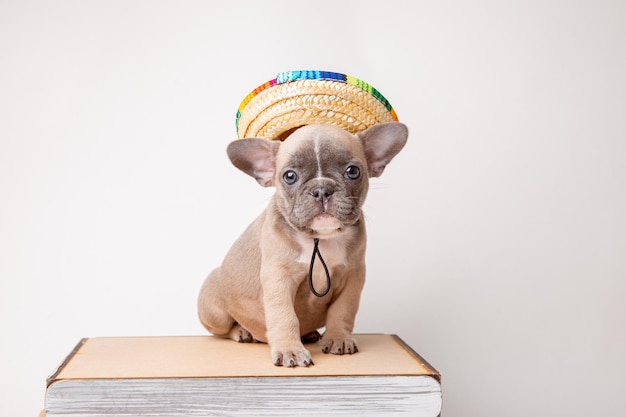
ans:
(255, 157)
(381, 143)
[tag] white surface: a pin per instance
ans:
(497, 238)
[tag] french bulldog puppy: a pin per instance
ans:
(261, 291)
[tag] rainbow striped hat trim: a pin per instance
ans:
(296, 98)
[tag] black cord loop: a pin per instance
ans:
(316, 251)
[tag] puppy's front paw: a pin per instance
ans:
(339, 345)
(290, 357)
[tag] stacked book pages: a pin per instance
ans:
(208, 376)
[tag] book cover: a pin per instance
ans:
(206, 375)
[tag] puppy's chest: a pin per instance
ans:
(333, 251)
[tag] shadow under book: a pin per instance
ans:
(209, 376)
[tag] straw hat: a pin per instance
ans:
(297, 98)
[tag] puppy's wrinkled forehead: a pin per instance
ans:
(319, 148)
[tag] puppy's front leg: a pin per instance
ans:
(283, 327)
(338, 338)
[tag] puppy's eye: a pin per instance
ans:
(290, 177)
(353, 172)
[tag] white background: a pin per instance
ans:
(497, 238)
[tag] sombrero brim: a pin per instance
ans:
(297, 98)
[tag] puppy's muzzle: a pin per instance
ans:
(321, 190)
(322, 194)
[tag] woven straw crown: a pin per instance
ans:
(297, 98)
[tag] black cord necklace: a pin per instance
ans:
(316, 251)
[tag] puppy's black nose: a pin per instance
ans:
(322, 194)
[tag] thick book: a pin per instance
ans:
(209, 376)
